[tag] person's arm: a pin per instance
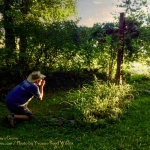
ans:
(41, 89)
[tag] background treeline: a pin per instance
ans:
(36, 35)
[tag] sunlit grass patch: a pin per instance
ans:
(98, 104)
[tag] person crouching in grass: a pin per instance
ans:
(18, 98)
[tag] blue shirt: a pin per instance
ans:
(20, 94)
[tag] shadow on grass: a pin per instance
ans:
(63, 81)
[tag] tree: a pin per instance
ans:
(136, 12)
(8, 26)
(21, 16)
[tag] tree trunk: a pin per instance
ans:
(8, 27)
(23, 47)
(120, 49)
(24, 7)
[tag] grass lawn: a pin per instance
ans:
(130, 132)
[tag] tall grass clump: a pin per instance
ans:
(98, 103)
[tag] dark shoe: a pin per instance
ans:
(11, 121)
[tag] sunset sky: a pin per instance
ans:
(97, 11)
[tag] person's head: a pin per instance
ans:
(36, 77)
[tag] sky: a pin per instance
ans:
(97, 11)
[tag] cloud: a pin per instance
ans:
(98, 11)
(97, 2)
(96, 19)
(101, 15)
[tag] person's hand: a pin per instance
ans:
(43, 83)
